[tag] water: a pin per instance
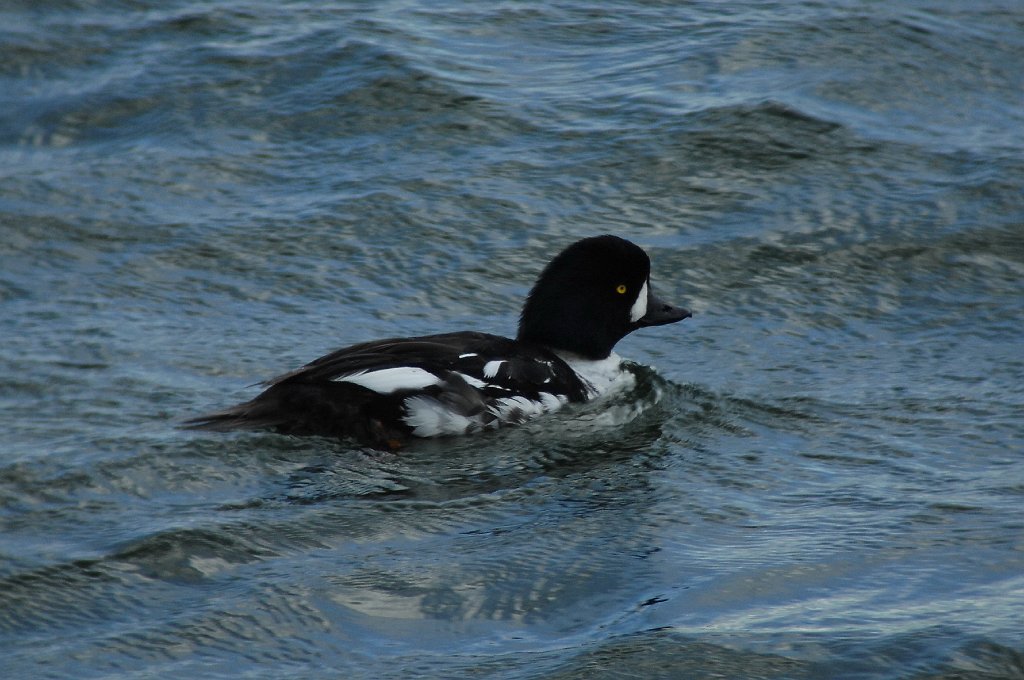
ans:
(820, 475)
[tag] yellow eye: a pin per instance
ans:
(621, 289)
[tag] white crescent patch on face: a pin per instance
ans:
(639, 307)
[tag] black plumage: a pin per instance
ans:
(382, 392)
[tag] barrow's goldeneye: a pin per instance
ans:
(380, 393)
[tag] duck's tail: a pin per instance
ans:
(340, 410)
(252, 415)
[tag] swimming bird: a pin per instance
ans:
(384, 392)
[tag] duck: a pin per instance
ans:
(387, 393)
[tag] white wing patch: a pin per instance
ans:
(553, 402)
(475, 382)
(430, 418)
(491, 368)
(519, 408)
(515, 408)
(639, 308)
(388, 380)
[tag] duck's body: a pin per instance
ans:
(382, 392)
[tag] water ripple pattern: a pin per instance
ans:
(820, 475)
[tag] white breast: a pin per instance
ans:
(602, 376)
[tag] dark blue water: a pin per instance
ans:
(820, 475)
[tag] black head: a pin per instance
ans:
(592, 295)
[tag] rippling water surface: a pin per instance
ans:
(820, 475)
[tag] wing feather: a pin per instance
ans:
(382, 391)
